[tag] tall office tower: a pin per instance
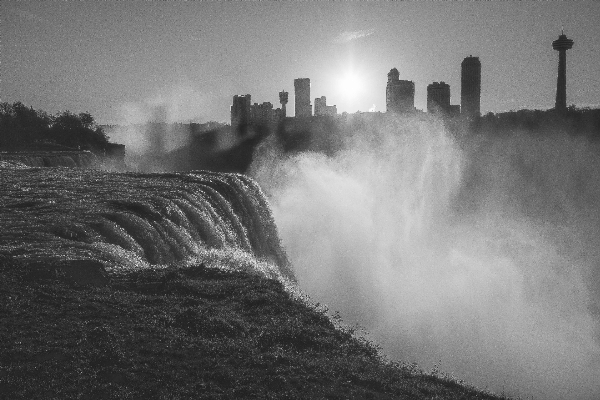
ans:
(399, 95)
(302, 92)
(320, 104)
(438, 97)
(562, 44)
(470, 87)
(283, 99)
(240, 110)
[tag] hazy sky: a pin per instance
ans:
(116, 60)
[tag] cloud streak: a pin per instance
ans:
(348, 36)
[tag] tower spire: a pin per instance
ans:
(562, 44)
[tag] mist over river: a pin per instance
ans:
(477, 256)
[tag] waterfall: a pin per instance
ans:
(131, 220)
(82, 159)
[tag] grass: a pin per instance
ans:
(180, 333)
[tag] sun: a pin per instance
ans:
(350, 84)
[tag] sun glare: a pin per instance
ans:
(350, 84)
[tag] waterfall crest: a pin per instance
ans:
(131, 220)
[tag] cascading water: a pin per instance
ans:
(131, 221)
(51, 158)
(480, 258)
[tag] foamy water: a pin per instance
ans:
(481, 258)
(132, 221)
(49, 159)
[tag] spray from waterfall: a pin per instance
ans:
(480, 257)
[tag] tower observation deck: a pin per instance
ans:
(562, 44)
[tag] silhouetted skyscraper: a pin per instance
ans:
(283, 99)
(240, 110)
(438, 97)
(399, 95)
(262, 113)
(562, 44)
(470, 86)
(302, 93)
(321, 107)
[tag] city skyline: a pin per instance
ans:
(116, 61)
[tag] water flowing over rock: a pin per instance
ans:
(82, 159)
(131, 221)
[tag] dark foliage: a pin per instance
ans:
(574, 121)
(22, 127)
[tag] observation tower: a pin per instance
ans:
(562, 44)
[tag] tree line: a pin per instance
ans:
(23, 128)
(573, 121)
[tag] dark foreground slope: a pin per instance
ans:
(190, 332)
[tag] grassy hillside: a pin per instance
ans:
(191, 332)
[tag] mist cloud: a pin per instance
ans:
(180, 103)
(480, 257)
